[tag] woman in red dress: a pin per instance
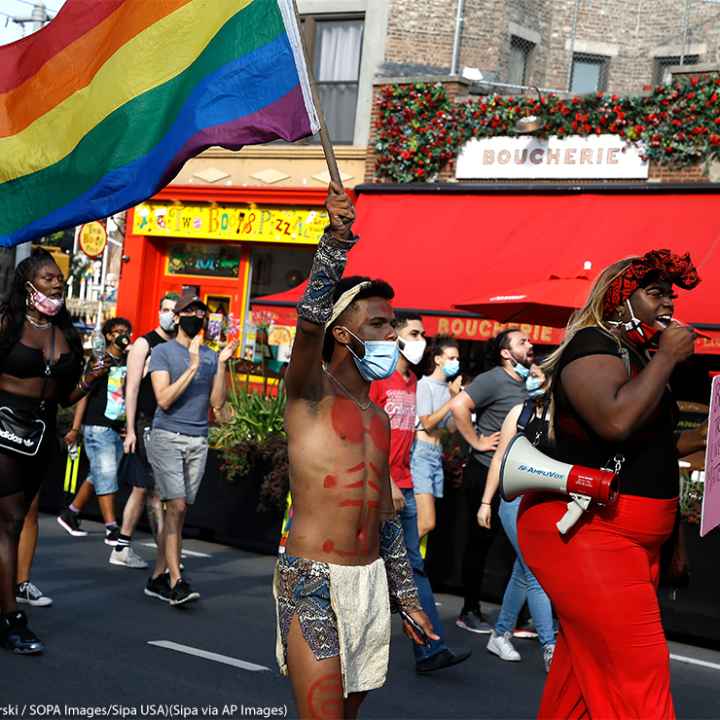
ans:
(612, 401)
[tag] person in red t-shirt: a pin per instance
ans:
(396, 395)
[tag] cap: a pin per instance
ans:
(186, 300)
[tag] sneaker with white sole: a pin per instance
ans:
(68, 520)
(30, 594)
(158, 587)
(182, 593)
(127, 557)
(501, 646)
(112, 535)
(473, 622)
(548, 652)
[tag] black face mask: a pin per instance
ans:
(122, 342)
(191, 325)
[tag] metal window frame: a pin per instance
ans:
(527, 47)
(308, 28)
(661, 63)
(602, 60)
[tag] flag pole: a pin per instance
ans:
(325, 140)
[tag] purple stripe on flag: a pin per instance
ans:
(286, 118)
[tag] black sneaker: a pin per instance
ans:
(473, 622)
(443, 659)
(158, 587)
(182, 593)
(68, 520)
(15, 635)
(112, 535)
(30, 594)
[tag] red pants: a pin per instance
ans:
(611, 658)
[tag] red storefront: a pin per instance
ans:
(207, 238)
(439, 245)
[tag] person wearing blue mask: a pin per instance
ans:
(345, 565)
(490, 397)
(434, 393)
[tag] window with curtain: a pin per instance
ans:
(336, 49)
(519, 60)
(589, 74)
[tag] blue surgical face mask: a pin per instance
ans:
(380, 359)
(534, 386)
(521, 370)
(451, 368)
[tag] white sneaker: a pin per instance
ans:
(501, 646)
(30, 594)
(127, 557)
(548, 653)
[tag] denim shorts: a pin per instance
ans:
(426, 467)
(104, 449)
(178, 463)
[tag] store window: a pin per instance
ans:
(203, 260)
(589, 74)
(335, 45)
(519, 65)
(280, 268)
(662, 72)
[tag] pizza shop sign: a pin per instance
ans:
(601, 157)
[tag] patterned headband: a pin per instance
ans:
(345, 300)
(678, 269)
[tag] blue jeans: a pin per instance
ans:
(522, 586)
(104, 449)
(408, 517)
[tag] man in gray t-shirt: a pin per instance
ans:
(187, 378)
(490, 396)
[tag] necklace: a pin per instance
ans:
(38, 325)
(362, 406)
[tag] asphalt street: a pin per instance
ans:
(103, 658)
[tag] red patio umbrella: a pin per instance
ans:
(550, 302)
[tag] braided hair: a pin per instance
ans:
(14, 306)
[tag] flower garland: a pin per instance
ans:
(419, 128)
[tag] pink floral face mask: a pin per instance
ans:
(44, 304)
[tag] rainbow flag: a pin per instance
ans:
(101, 108)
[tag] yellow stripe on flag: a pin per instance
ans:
(145, 62)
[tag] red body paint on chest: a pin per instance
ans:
(347, 420)
(379, 434)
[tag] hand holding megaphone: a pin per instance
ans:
(524, 468)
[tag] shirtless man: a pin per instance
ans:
(345, 564)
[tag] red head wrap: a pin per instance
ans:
(678, 269)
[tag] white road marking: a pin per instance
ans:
(693, 661)
(225, 659)
(185, 553)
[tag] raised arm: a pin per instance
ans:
(166, 393)
(135, 366)
(218, 394)
(613, 405)
(303, 377)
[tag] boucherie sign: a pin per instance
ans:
(602, 157)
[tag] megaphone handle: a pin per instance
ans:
(575, 508)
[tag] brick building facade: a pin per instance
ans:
(629, 44)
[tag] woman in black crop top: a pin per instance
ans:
(40, 365)
(612, 399)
